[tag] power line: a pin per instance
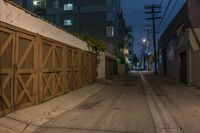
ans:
(161, 2)
(171, 12)
(166, 9)
(126, 14)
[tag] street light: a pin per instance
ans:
(144, 40)
(145, 43)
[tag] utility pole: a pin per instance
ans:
(144, 57)
(148, 48)
(153, 10)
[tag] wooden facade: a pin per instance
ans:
(34, 69)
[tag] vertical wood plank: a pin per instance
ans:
(36, 75)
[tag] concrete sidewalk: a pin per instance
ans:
(29, 119)
(181, 101)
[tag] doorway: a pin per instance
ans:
(183, 67)
(164, 60)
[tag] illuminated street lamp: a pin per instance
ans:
(145, 43)
(144, 40)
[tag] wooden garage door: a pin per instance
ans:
(68, 70)
(94, 68)
(51, 76)
(24, 71)
(17, 70)
(85, 74)
(6, 70)
(76, 61)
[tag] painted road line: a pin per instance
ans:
(164, 122)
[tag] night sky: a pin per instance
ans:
(134, 15)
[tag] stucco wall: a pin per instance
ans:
(195, 71)
(173, 68)
(101, 69)
(193, 9)
(18, 17)
(193, 60)
(121, 69)
(195, 56)
(101, 66)
(180, 45)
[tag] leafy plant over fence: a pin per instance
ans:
(94, 45)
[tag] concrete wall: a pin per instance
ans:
(187, 40)
(193, 9)
(194, 36)
(13, 15)
(195, 70)
(101, 69)
(176, 44)
(101, 66)
(187, 43)
(121, 68)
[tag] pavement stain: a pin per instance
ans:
(88, 106)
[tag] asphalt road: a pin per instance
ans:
(121, 107)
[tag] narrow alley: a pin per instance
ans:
(99, 66)
(129, 105)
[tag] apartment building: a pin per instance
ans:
(101, 19)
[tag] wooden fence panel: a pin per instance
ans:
(76, 59)
(87, 68)
(25, 71)
(94, 68)
(52, 71)
(46, 65)
(84, 75)
(58, 70)
(34, 69)
(68, 69)
(6, 70)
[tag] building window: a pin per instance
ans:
(68, 22)
(68, 7)
(55, 4)
(38, 4)
(110, 31)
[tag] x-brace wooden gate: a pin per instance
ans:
(34, 69)
(52, 70)
(17, 70)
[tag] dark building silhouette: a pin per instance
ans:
(101, 19)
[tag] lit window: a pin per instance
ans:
(110, 31)
(55, 4)
(35, 3)
(68, 7)
(38, 5)
(68, 22)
